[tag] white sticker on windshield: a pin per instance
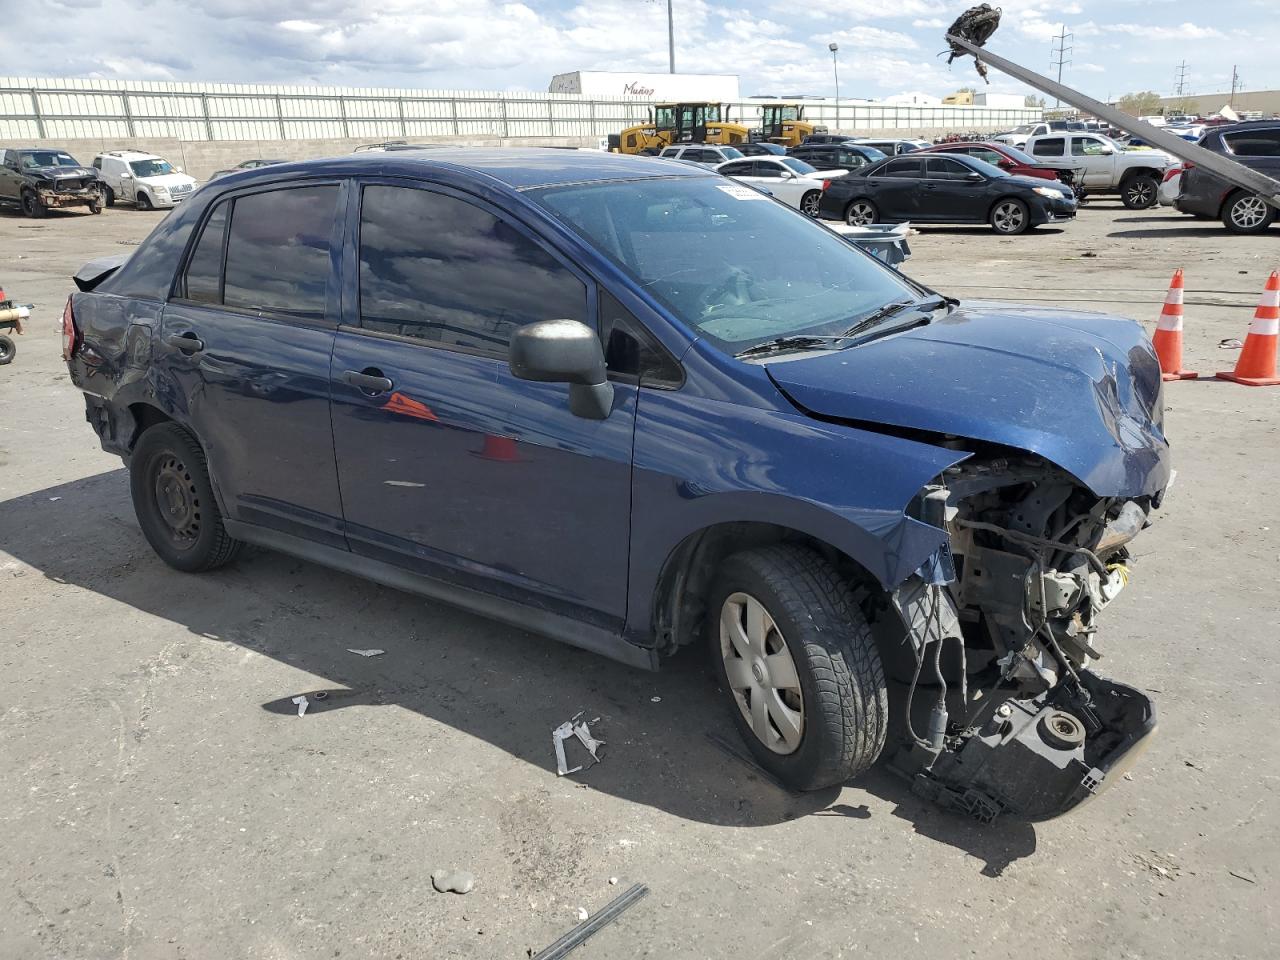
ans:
(744, 193)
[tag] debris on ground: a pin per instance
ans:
(367, 653)
(1241, 876)
(302, 703)
(655, 699)
(582, 914)
(574, 727)
(1230, 343)
(452, 881)
(589, 927)
(1163, 866)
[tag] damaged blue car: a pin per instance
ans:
(636, 407)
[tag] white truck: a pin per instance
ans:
(1103, 166)
(143, 179)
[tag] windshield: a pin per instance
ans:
(984, 168)
(47, 158)
(790, 113)
(1025, 128)
(799, 166)
(737, 267)
(150, 168)
(871, 153)
(731, 153)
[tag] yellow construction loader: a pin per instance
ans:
(784, 123)
(680, 123)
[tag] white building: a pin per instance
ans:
(662, 87)
(1001, 101)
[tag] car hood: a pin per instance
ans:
(1081, 390)
(168, 180)
(1026, 180)
(59, 172)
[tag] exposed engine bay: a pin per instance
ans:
(1000, 632)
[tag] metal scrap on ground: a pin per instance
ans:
(580, 934)
(575, 728)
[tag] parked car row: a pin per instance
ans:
(37, 179)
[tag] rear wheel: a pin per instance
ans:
(7, 350)
(32, 206)
(861, 213)
(1247, 213)
(809, 203)
(1140, 192)
(794, 651)
(1010, 217)
(173, 499)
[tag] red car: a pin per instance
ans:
(1007, 158)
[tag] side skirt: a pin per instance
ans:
(553, 625)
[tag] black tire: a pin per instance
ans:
(7, 350)
(95, 208)
(841, 679)
(186, 531)
(109, 196)
(1247, 213)
(1010, 217)
(861, 212)
(809, 203)
(32, 206)
(1140, 192)
(142, 201)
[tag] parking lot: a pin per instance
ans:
(161, 798)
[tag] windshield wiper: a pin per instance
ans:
(893, 309)
(796, 342)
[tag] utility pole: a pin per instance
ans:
(1060, 55)
(1180, 80)
(1236, 84)
(671, 37)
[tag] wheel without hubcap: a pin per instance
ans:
(762, 675)
(177, 502)
(32, 206)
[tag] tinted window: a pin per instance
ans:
(443, 270)
(900, 168)
(1049, 147)
(278, 251)
(671, 152)
(796, 166)
(203, 280)
(942, 168)
(1254, 143)
(763, 168)
(850, 159)
(1086, 147)
(736, 169)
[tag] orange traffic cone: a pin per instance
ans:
(1257, 364)
(1168, 336)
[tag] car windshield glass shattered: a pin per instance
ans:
(47, 158)
(150, 168)
(735, 265)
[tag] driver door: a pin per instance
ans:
(1091, 160)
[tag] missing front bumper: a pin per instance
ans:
(1040, 758)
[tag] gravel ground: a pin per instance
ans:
(159, 797)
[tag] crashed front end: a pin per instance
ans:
(76, 189)
(1002, 713)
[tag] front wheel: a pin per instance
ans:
(794, 651)
(7, 350)
(810, 202)
(109, 197)
(32, 206)
(1010, 217)
(861, 213)
(95, 207)
(173, 499)
(1140, 192)
(143, 202)
(1247, 213)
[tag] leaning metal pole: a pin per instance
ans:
(1224, 167)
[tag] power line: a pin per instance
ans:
(1060, 52)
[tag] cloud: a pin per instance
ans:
(932, 23)
(870, 38)
(1183, 31)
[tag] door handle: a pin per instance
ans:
(187, 342)
(369, 381)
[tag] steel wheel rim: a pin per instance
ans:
(809, 204)
(177, 501)
(1008, 217)
(1248, 212)
(860, 214)
(1140, 193)
(761, 673)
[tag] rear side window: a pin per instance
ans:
(943, 168)
(736, 169)
(1253, 143)
(671, 152)
(443, 270)
(203, 279)
(900, 168)
(1049, 147)
(278, 251)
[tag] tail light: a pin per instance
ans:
(1173, 172)
(68, 331)
(826, 185)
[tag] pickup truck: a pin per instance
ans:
(1103, 166)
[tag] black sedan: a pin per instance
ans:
(951, 189)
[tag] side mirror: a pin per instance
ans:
(788, 175)
(564, 351)
(126, 176)
(1005, 164)
(973, 176)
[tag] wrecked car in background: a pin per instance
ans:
(37, 179)
(633, 406)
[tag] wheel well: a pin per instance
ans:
(679, 599)
(145, 416)
(1139, 171)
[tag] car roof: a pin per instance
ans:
(517, 167)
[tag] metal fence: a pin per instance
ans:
(32, 109)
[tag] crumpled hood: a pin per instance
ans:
(1081, 390)
(57, 173)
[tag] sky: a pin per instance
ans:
(776, 46)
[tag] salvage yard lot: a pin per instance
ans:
(160, 797)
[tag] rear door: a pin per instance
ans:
(449, 465)
(895, 189)
(244, 350)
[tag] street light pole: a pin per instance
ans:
(671, 37)
(835, 69)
